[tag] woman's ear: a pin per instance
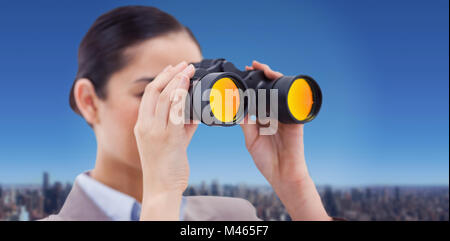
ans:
(86, 100)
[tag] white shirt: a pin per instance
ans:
(116, 205)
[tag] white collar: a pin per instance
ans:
(116, 205)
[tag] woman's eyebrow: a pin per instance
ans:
(145, 79)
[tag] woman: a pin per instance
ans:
(130, 62)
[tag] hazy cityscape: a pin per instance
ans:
(430, 203)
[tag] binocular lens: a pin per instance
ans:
(224, 99)
(300, 99)
(223, 95)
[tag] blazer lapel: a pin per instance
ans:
(79, 206)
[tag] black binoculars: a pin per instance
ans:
(220, 94)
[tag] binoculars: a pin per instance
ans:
(220, 94)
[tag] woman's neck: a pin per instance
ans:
(118, 175)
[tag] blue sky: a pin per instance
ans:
(382, 67)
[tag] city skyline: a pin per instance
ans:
(38, 184)
(357, 204)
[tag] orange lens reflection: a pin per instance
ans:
(300, 99)
(224, 100)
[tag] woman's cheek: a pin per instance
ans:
(128, 116)
(125, 116)
(133, 152)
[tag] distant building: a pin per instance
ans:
(45, 182)
(24, 215)
(330, 202)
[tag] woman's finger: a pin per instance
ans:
(250, 130)
(153, 89)
(167, 95)
(268, 72)
(161, 81)
(176, 119)
(176, 123)
(148, 101)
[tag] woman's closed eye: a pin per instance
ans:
(141, 83)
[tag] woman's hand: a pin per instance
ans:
(280, 158)
(162, 140)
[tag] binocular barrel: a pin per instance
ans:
(220, 94)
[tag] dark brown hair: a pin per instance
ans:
(101, 51)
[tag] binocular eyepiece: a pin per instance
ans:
(220, 94)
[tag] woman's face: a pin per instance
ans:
(118, 113)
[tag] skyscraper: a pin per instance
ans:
(330, 202)
(45, 182)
